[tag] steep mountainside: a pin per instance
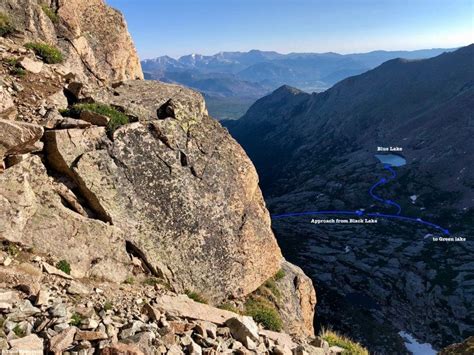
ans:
(386, 105)
(316, 153)
(122, 199)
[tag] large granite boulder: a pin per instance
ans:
(6, 103)
(34, 214)
(19, 137)
(297, 301)
(93, 36)
(181, 188)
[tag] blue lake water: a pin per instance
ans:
(391, 159)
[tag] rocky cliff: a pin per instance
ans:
(93, 35)
(114, 179)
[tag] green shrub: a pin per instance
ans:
(264, 313)
(271, 285)
(116, 121)
(108, 305)
(229, 307)
(15, 67)
(19, 331)
(335, 339)
(18, 71)
(196, 297)
(12, 62)
(64, 266)
(76, 319)
(13, 250)
(130, 280)
(6, 26)
(279, 275)
(53, 16)
(151, 281)
(117, 118)
(49, 54)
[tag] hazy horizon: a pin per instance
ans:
(309, 52)
(180, 27)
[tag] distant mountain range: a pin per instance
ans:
(232, 81)
(315, 152)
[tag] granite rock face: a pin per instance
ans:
(19, 137)
(6, 103)
(181, 187)
(34, 214)
(93, 36)
(297, 301)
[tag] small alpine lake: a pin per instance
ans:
(391, 159)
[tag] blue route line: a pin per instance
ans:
(389, 168)
(383, 181)
(372, 214)
(410, 219)
(360, 213)
(295, 214)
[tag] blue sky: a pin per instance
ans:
(178, 27)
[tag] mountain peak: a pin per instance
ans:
(287, 89)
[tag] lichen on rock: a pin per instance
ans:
(32, 213)
(187, 195)
(92, 35)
